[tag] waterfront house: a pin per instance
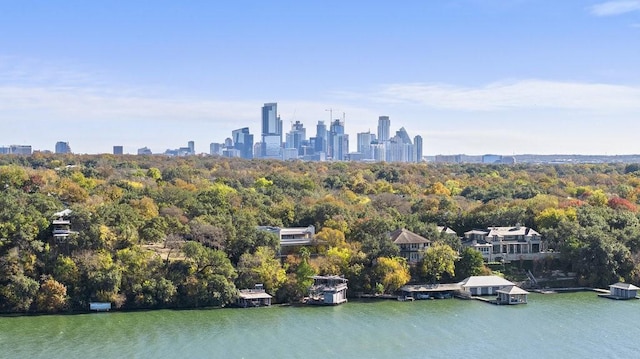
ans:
(328, 290)
(507, 243)
(512, 295)
(292, 238)
(256, 297)
(623, 291)
(484, 285)
(412, 246)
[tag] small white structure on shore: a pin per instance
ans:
(328, 290)
(512, 295)
(623, 291)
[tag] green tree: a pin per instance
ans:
(470, 263)
(209, 278)
(392, 273)
(438, 260)
(261, 267)
(19, 293)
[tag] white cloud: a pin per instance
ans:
(610, 8)
(500, 96)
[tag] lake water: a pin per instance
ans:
(570, 325)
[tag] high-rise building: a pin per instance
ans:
(364, 144)
(271, 131)
(192, 147)
(118, 150)
(63, 147)
(321, 137)
(215, 149)
(296, 137)
(338, 141)
(384, 125)
(144, 151)
(243, 141)
(417, 143)
(20, 150)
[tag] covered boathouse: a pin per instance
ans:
(328, 290)
(622, 291)
(512, 295)
(256, 297)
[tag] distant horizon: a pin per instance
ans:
(468, 76)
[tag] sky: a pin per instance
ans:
(469, 76)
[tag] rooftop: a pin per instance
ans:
(403, 236)
(485, 281)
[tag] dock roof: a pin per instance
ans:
(512, 290)
(485, 281)
(627, 286)
(253, 294)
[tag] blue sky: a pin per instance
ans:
(469, 76)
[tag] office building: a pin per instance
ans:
(62, 147)
(364, 145)
(320, 144)
(271, 132)
(297, 137)
(118, 150)
(417, 144)
(243, 142)
(384, 125)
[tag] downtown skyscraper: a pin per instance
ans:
(271, 132)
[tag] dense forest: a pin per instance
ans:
(159, 232)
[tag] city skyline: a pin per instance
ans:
(468, 76)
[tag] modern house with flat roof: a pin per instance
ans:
(61, 226)
(292, 237)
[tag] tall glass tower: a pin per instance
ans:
(271, 131)
(243, 141)
(384, 125)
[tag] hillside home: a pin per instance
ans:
(292, 238)
(412, 246)
(61, 226)
(507, 243)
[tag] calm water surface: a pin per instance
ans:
(572, 325)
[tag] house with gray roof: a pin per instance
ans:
(507, 243)
(412, 246)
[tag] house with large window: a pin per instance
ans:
(507, 243)
(412, 246)
(292, 238)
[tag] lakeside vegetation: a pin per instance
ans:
(159, 232)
